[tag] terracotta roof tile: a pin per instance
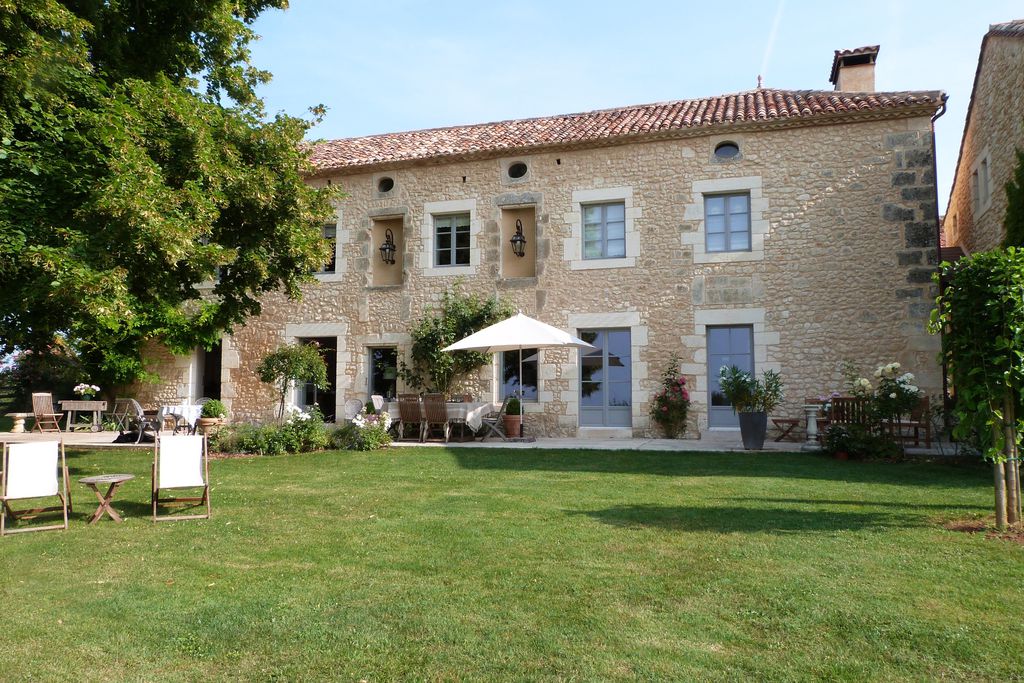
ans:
(605, 125)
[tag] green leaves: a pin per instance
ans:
(132, 207)
(981, 316)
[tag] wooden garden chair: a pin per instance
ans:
(410, 412)
(180, 462)
(492, 425)
(46, 418)
(435, 410)
(918, 421)
(33, 470)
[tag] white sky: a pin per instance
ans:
(403, 65)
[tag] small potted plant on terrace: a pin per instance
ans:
(213, 415)
(752, 399)
(512, 419)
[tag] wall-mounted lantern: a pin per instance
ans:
(518, 240)
(387, 250)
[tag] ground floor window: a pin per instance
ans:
(606, 379)
(510, 380)
(727, 346)
(384, 371)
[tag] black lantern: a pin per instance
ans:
(387, 250)
(518, 240)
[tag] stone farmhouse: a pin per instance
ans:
(993, 132)
(771, 229)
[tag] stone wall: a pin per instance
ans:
(843, 220)
(994, 131)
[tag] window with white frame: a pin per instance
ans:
(451, 240)
(604, 230)
(727, 222)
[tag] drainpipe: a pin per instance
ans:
(938, 254)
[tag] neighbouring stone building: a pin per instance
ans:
(772, 229)
(994, 130)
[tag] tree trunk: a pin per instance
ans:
(999, 472)
(1012, 469)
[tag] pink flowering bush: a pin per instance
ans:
(671, 403)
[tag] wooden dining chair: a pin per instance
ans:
(46, 418)
(180, 462)
(435, 411)
(33, 470)
(410, 412)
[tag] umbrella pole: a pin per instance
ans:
(520, 390)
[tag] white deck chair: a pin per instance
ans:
(352, 408)
(180, 462)
(33, 470)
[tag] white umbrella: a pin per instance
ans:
(515, 334)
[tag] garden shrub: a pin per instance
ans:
(367, 432)
(672, 402)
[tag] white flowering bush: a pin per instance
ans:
(368, 432)
(896, 394)
(86, 390)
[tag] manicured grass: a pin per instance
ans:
(489, 564)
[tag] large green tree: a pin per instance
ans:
(136, 164)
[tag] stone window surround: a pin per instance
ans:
(341, 238)
(694, 211)
(398, 340)
(764, 357)
(572, 246)
(638, 340)
(426, 256)
(983, 201)
(295, 331)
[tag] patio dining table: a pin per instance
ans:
(470, 413)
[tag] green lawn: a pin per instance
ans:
(489, 564)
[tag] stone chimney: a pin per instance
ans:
(854, 70)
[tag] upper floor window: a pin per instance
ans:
(330, 233)
(727, 222)
(604, 231)
(451, 240)
(984, 181)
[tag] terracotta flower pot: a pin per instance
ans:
(513, 425)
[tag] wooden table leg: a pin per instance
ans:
(105, 503)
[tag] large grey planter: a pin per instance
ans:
(753, 427)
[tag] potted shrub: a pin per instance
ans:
(512, 419)
(213, 415)
(752, 399)
(837, 442)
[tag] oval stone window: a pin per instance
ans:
(727, 150)
(517, 170)
(385, 184)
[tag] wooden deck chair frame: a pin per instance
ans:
(189, 481)
(46, 418)
(410, 412)
(435, 411)
(33, 452)
(492, 424)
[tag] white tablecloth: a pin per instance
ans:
(471, 413)
(184, 412)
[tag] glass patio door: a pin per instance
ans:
(726, 346)
(606, 388)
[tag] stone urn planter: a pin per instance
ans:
(205, 425)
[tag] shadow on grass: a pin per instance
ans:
(741, 519)
(704, 464)
(864, 503)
